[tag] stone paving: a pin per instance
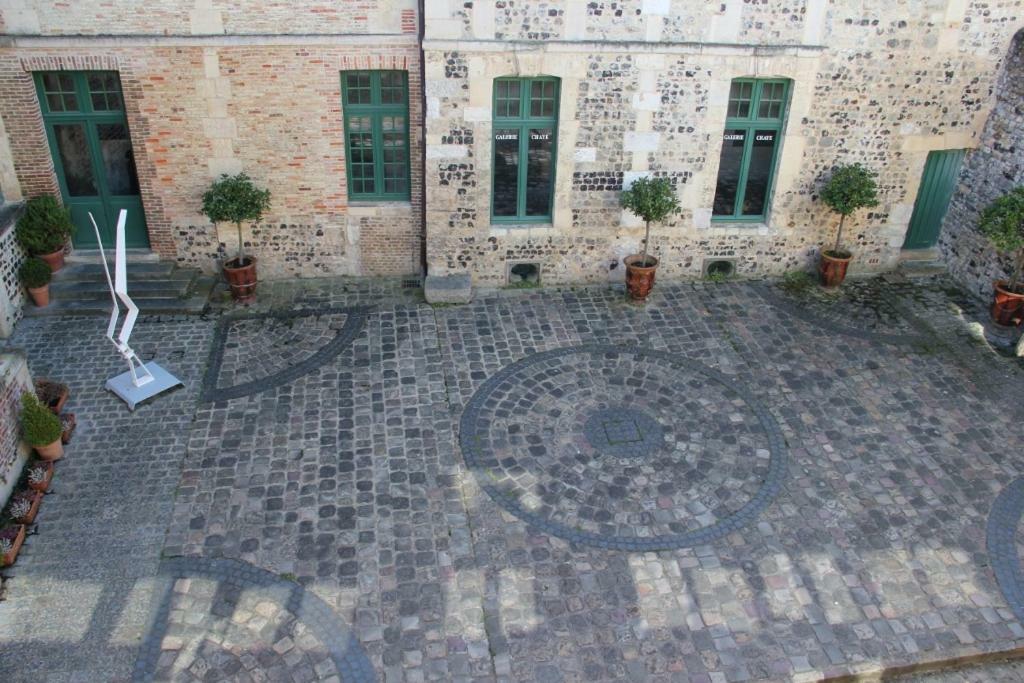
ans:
(734, 482)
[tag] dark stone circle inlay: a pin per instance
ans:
(1000, 540)
(541, 435)
(623, 432)
(263, 332)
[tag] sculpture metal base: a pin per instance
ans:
(123, 386)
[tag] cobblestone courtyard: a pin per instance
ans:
(735, 482)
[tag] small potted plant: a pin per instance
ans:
(236, 199)
(40, 427)
(24, 506)
(849, 188)
(39, 475)
(43, 230)
(11, 538)
(52, 394)
(67, 427)
(35, 275)
(1003, 224)
(653, 200)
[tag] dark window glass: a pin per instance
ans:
(358, 87)
(740, 95)
(538, 172)
(772, 96)
(60, 91)
(392, 87)
(360, 144)
(506, 171)
(105, 92)
(729, 167)
(542, 99)
(73, 149)
(394, 135)
(759, 172)
(118, 160)
(507, 99)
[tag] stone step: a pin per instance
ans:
(146, 270)
(176, 285)
(192, 305)
(922, 268)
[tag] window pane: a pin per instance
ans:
(770, 106)
(538, 172)
(729, 172)
(506, 171)
(507, 99)
(740, 95)
(118, 160)
(105, 92)
(358, 87)
(394, 154)
(60, 91)
(759, 172)
(74, 158)
(360, 148)
(392, 87)
(542, 98)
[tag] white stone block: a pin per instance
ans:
(630, 220)
(433, 107)
(584, 154)
(662, 7)
(702, 218)
(476, 114)
(647, 101)
(447, 151)
(641, 142)
(630, 177)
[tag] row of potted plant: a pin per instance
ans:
(43, 230)
(846, 190)
(46, 429)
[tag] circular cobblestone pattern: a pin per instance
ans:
(623, 448)
(1001, 540)
(226, 620)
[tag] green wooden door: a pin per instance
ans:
(937, 184)
(83, 112)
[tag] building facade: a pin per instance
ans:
(119, 108)
(510, 152)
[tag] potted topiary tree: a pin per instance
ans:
(40, 427)
(653, 200)
(43, 230)
(1003, 224)
(849, 188)
(35, 275)
(235, 199)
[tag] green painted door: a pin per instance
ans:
(937, 184)
(83, 112)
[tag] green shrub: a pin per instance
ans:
(849, 188)
(654, 200)
(235, 199)
(34, 273)
(1003, 224)
(44, 225)
(797, 281)
(38, 423)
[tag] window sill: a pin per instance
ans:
(739, 225)
(380, 202)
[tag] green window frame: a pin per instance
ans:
(524, 128)
(376, 119)
(750, 149)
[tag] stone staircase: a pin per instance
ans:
(157, 287)
(921, 263)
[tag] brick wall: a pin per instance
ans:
(14, 380)
(996, 167)
(273, 111)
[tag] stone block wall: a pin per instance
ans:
(14, 381)
(644, 88)
(994, 168)
(12, 295)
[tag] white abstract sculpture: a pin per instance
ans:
(143, 380)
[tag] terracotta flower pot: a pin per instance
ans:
(67, 424)
(37, 499)
(832, 267)
(640, 275)
(54, 259)
(16, 534)
(52, 394)
(1007, 307)
(51, 451)
(241, 279)
(40, 295)
(45, 483)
